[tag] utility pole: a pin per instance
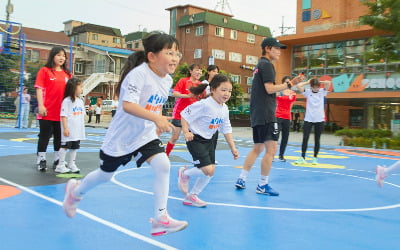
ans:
(283, 28)
(9, 10)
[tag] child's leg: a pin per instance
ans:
(91, 180)
(203, 180)
(61, 154)
(318, 128)
(161, 166)
(72, 156)
(392, 168)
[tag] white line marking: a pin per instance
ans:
(93, 217)
(274, 208)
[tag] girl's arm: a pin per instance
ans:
(162, 123)
(185, 128)
(64, 123)
(229, 140)
(300, 86)
(327, 84)
(179, 95)
(41, 108)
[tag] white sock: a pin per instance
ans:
(41, 157)
(62, 153)
(56, 156)
(243, 174)
(161, 168)
(263, 180)
(91, 180)
(72, 156)
(395, 166)
(194, 171)
(200, 184)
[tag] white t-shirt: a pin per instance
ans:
(98, 110)
(75, 113)
(128, 133)
(315, 108)
(206, 116)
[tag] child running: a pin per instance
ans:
(134, 130)
(200, 121)
(72, 125)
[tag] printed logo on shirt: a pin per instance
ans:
(215, 123)
(77, 110)
(52, 79)
(155, 103)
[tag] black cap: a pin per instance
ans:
(272, 42)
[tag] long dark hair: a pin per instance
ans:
(154, 42)
(210, 68)
(191, 68)
(215, 82)
(285, 78)
(70, 88)
(50, 60)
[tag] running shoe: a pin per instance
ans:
(55, 164)
(70, 200)
(73, 168)
(300, 161)
(183, 180)
(41, 166)
(282, 159)
(166, 225)
(267, 190)
(240, 183)
(380, 175)
(314, 161)
(193, 200)
(61, 168)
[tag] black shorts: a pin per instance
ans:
(176, 123)
(267, 132)
(71, 144)
(111, 163)
(202, 151)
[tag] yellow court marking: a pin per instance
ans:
(319, 165)
(23, 139)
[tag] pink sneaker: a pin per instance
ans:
(193, 200)
(380, 175)
(70, 200)
(183, 180)
(166, 225)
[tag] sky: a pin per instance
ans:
(134, 15)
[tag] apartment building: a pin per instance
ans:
(211, 37)
(331, 44)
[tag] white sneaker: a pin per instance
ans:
(166, 225)
(380, 175)
(61, 168)
(71, 202)
(193, 200)
(73, 168)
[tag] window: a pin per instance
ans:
(104, 41)
(116, 40)
(236, 79)
(251, 60)
(235, 57)
(32, 55)
(249, 81)
(187, 30)
(95, 37)
(78, 68)
(234, 34)
(197, 53)
(129, 45)
(136, 45)
(218, 54)
(219, 31)
(251, 38)
(199, 31)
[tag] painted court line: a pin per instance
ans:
(93, 217)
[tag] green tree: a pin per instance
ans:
(384, 15)
(8, 79)
(32, 70)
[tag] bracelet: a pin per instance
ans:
(289, 85)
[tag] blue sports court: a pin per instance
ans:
(333, 205)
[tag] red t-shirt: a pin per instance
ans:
(284, 106)
(182, 87)
(52, 84)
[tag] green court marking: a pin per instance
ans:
(70, 175)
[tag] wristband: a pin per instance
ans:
(289, 85)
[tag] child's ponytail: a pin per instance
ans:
(134, 60)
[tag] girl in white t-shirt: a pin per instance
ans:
(134, 130)
(212, 70)
(200, 122)
(72, 126)
(314, 117)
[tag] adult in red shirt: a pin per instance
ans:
(50, 86)
(184, 99)
(284, 102)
